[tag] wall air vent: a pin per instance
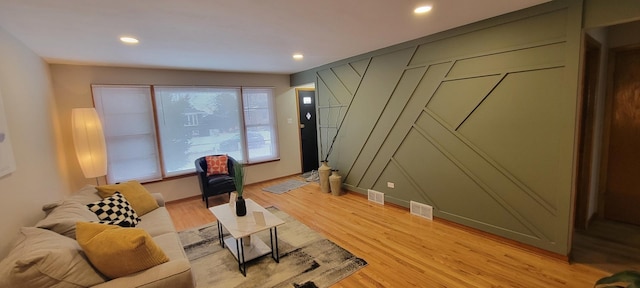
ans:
(422, 210)
(376, 197)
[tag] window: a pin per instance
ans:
(259, 116)
(197, 121)
(130, 133)
(192, 119)
(219, 120)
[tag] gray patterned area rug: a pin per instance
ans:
(307, 259)
(285, 186)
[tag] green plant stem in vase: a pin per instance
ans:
(238, 181)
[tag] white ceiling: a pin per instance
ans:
(230, 35)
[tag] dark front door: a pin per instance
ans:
(308, 134)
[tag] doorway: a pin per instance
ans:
(622, 182)
(308, 128)
(587, 123)
(606, 244)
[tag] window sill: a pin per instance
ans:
(194, 173)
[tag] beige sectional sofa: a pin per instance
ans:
(48, 255)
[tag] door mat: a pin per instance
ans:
(285, 186)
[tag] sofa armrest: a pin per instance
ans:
(159, 198)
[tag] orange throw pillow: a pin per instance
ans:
(217, 165)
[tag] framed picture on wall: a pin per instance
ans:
(7, 161)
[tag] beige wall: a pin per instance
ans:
(72, 88)
(25, 87)
(38, 122)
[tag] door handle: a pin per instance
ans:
(301, 125)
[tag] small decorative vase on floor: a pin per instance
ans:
(241, 207)
(323, 171)
(335, 181)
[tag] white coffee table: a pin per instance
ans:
(244, 247)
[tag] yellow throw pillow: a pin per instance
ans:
(117, 251)
(139, 198)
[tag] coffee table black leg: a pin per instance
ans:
(242, 264)
(220, 234)
(274, 231)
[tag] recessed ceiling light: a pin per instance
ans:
(129, 40)
(298, 56)
(422, 9)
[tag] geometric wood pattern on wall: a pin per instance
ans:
(455, 100)
(476, 125)
(455, 194)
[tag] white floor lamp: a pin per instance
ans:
(88, 140)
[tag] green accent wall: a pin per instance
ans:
(600, 13)
(478, 122)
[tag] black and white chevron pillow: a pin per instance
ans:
(115, 210)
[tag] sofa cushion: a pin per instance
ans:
(85, 195)
(218, 182)
(117, 251)
(63, 217)
(170, 245)
(43, 258)
(115, 210)
(175, 273)
(141, 200)
(217, 165)
(157, 222)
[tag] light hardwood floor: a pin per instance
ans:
(403, 250)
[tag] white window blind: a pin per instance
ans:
(127, 118)
(195, 122)
(260, 123)
(191, 122)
